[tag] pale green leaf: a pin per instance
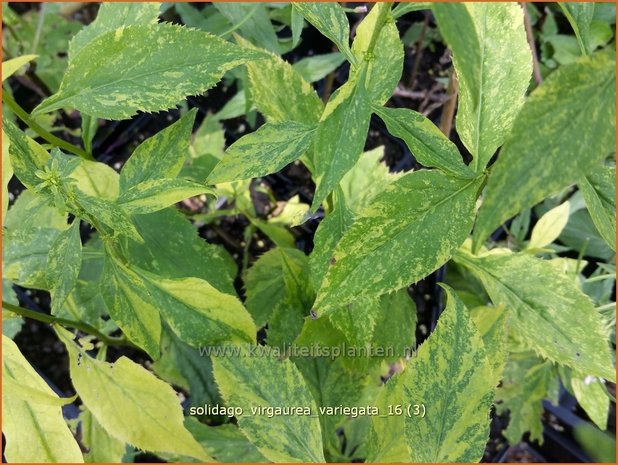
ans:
(34, 431)
(253, 23)
(451, 375)
(156, 194)
(408, 7)
(385, 62)
(599, 190)
(11, 66)
(316, 67)
(396, 240)
(115, 395)
(11, 322)
(112, 16)
(109, 213)
(160, 156)
(330, 20)
(96, 179)
(341, 135)
(63, 264)
(549, 226)
(102, 447)
(427, 143)
(566, 127)
(263, 380)
(143, 68)
(592, 395)
(493, 63)
(263, 152)
(7, 173)
(546, 309)
(492, 324)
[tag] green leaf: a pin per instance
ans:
(547, 309)
(280, 92)
(599, 190)
(452, 377)
(184, 366)
(528, 380)
(492, 324)
(143, 68)
(316, 67)
(11, 66)
(113, 16)
(102, 447)
(549, 226)
(63, 264)
(493, 63)
(426, 142)
(160, 156)
(341, 135)
(385, 63)
(264, 380)
(580, 15)
(26, 155)
(7, 174)
(253, 23)
(109, 213)
(11, 323)
(35, 430)
(265, 282)
(263, 152)
(408, 7)
(395, 241)
(565, 128)
(331, 21)
(151, 196)
(225, 443)
(115, 394)
(96, 179)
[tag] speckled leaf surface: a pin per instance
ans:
(143, 68)
(493, 63)
(385, 63)
(112, 16)
(546, 309)
(407, 231)
(25, 154)
(427, 143)
(154, 195)
(261, 379)
(129, 402)
(63, 264)
(593, 397)
(35, 430)
(580, 15)
(566, 127)
(599, 190)
(451, 375)
(341, 135)
(160, 156)
(263, 152)
(330, 20)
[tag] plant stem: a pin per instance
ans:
(25, 117)
(380, 22)
(448, 111)
(50, 319)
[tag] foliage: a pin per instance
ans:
(519, 211)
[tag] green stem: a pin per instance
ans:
(385, 9)
(25, 117)
(50, 319)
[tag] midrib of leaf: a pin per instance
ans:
(418, 217)
(477, 136)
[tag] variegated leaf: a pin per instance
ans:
(263, 152)
(143, 68)
(63, 264)
(493, 63)
(599, 190)
(263, 380)
(547, 309)
(156, 194)
(452, 377)
(545, 154)
(406, 232)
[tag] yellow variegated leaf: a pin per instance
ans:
(493, 63)
(452, 378)
(130, 403)
(33, 425)
(549, 226)
(599, 190)
(156, 194)
(263, 380)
